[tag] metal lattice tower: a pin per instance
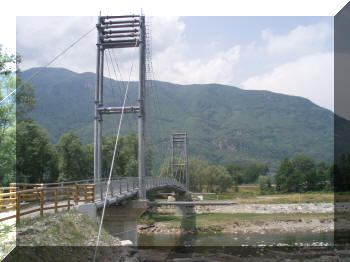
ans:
(179, 157)
(120, 32)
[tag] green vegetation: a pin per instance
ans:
(7, 239)
(7, 120)
(203, 176)
(253, 195)
(301, 174)
(226, 124)
(39, 161)
(61, 229)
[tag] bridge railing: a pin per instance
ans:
(126, 185)
(30, 198)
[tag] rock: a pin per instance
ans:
(126, 243)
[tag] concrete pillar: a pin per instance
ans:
(121, 221)
(183, 210)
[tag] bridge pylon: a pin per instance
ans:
(120, 32)
(179, 157)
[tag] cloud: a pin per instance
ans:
(171, 52)
(40, 39)
(166, 31)
(300, 41)
(311, 76)
(220, 68)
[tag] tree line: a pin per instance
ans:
(38, 161)
(303, 174)
(211, 177)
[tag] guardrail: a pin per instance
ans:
(131, 184)
(40, 198)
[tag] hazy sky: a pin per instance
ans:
(290, 55)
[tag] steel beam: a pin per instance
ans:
(96, 115)
(187, 174)
(141, 116)
(118, 22)
(119, 110)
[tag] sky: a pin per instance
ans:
(286, 54)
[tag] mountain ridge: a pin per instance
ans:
(225, 123)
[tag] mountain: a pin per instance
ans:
(225, 123)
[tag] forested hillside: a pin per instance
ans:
(225, 124)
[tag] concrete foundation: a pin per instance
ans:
(88, 209)
(183, 210)
(121, 221)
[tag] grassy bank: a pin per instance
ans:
(61, 229)
(7, 238)
(252, 195)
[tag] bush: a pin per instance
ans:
(264, 184)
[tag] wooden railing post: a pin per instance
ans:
(18, 206)
(41, 201)
(93, 195)
(55, 200)
(85, 193)
(76, 198)
(68, 198)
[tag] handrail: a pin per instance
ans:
(39, 197)
(34, 200)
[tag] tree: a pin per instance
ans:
(126, 160)
(323, 176)
(264, 184)
(284, 171)
(7, 84)
(223, 179)
(8, 158)
(196, 168)
(253, 171)
(306, 167)
(294, 182)
(35, 159)
(72, 156)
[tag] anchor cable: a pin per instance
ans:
(113, 158)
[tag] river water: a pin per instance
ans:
(225, 239)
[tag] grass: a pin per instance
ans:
(342, 197)
(7, 239)
(251, 195)
(61, 229)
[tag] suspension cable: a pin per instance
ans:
(113, 158)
